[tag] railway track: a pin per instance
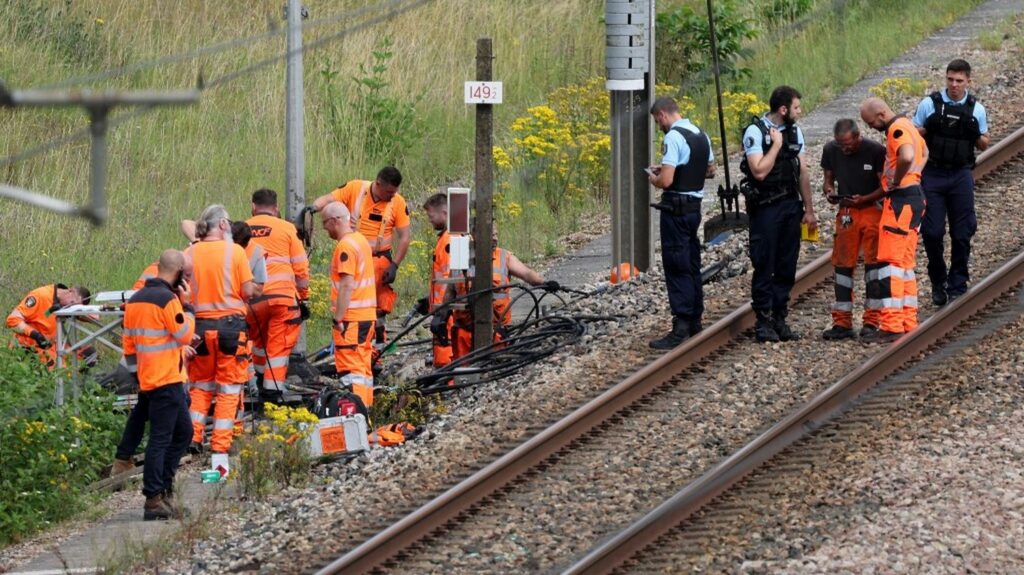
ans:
(575, 445)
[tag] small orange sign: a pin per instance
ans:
(332, 439)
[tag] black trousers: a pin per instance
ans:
(680, 256)
(774, 249)
(170, 431)
(950, 196)
(134, 428)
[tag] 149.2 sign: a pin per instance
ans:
(483, 92)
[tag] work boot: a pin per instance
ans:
(157, 508)
(939, 297)
(838, 332)
(764, 329)
(696, 327)
(680, 332)
(881, 336)
(195, 448)
(121, 466)
(868, 330)
(782, 328)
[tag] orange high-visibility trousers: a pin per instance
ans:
(218, 370)
(386, 296)
(902, 211)
(856, 233)
(274, 326)
(353, 357)
(443, 352)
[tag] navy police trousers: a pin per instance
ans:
(774, 249)
(949, 194)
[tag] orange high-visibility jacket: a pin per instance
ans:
(441, 271)
(375, 220)
(287, 265)
(219, 270)
(352, 257)
(499, 277)
(148, 273)
(901, 131)
(35, 313)
(156, 329)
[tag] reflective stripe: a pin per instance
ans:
(873, 304)
(844, 280)
(281, 277)
(259, 352)
(842, 306)
(364, 283)
(181, 332)
(892, 303)
(145, 348)
(229, 388)
(871, 274)
(355, 378)
(362, 303)
(130, 363)
(197, 417)
(278, 259)
(500, 295)
(204, 385)
(223, 423)
(144, 332)
(896, 272)
(278, 361)
(910, 301)
(259, 367)
(302, 283)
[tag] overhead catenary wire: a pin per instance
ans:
(119, 119)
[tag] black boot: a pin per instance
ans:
(680, 331)
(764, 329)
(782, 328)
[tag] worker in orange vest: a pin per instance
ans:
(158, 326)
(436, 208)
(380, 213)
(504, 266)
(276, 316)
(902, 210)
(353, 301)
(33, 323)
(222, 283)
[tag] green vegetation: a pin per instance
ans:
(1009, 30)
(48, 455)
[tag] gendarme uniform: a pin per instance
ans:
(952, 128)
(688, 150)
(775, 209)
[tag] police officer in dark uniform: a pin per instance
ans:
(953, 124)
(687, 160)
(777, 190)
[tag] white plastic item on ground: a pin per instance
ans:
(219, 462)
(346, 433)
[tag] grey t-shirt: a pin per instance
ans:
(857, 174)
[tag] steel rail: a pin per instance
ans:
(377, 550)
(614, 551)
(381, 547)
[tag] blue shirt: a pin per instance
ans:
(753, 141)
(927, 108)
(677, 151)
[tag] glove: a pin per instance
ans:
(422, 306)
(389, 274)
(304, 312)
(551, 285)
(439, 327)
(41, 340)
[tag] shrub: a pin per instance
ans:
(684, 43)
(896, 91)
(48, 454)
(277, 456)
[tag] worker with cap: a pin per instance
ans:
(353, 301)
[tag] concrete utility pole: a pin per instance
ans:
(295, 139)
(98, 106)
(629, 60)
(483, 326)
(295, 162)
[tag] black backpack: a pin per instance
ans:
(332, 402)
